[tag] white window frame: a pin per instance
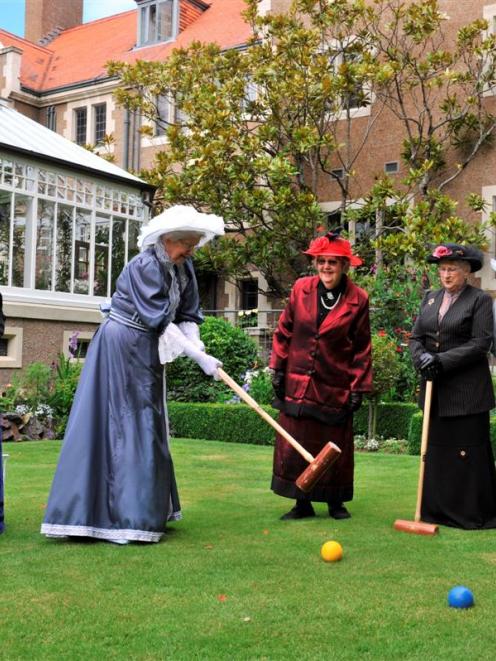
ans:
(89, 104)
(13, 359)
(122, 201)
(81, 335)
(487, 275)
(489, 14)
(360, 111)
(144, 8)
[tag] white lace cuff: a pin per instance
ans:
(192, 332)
(171, 344)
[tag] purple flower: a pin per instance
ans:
(73, 344)
(246, 387)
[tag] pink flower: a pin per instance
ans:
(442, 251)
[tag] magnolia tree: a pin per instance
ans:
(260, 129)
(258, 132)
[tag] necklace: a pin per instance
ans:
(330, 296)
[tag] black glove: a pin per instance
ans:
(430, 366)
(355, 401)
(278, 378)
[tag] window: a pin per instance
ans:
(76, 343)
(71, 235)
(249, 294)
(251, 95)
(356, 95)
(11, 348)
(180, 117)
(157, 21)
(345, 57)
(163, 115)
(51, 118)
(338, 173)
(81, 120)
(392, 167)
(100, 119)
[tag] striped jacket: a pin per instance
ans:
(462, 340)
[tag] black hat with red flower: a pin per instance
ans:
(454, 252)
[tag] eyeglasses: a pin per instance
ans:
(449, 269)
(189, 245)
(332, 262)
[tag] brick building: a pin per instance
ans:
(57, 76)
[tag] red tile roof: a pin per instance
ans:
(35, 59)
(80, 54)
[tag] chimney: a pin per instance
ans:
(46, 16)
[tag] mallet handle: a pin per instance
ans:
(423, 446)
(263, 414)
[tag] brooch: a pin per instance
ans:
(430, 301)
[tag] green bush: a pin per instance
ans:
(393, 419)
(385, 374)
(185, 380)
(63, 390)
(260, 385)
(234, 423)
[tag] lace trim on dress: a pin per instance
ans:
(174, 292)
(57, 530)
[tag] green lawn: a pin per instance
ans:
(231, 581)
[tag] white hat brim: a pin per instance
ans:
(181, 218)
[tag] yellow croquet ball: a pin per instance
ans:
(331, 551)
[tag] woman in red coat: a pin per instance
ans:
(321, 362)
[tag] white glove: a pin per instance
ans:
(192, 332)
(208, 363)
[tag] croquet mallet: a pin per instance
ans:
(417, 526)
(317, 465)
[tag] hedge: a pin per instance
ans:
(415, 433)
(393, 419)
(237, 423)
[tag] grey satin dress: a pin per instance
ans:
(115, 476)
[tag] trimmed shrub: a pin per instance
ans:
(393, 419)
(238, 423)
(185, 380)
(234, 423)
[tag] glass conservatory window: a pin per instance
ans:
(64, 234)
(70, 235)
(5, 210)
(20, 266)
(44, 244)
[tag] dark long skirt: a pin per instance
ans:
(460, 477)
(336, 485)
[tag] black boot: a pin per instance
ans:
(338, 511)
(302, 510)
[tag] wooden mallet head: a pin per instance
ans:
(316, 468)
(416, 527)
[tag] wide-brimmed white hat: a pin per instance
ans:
(181, 218)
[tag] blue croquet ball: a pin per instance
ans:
(460, 597)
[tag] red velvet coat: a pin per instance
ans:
(323, 365)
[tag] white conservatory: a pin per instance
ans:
(69, 221)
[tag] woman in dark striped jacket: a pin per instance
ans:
(449, 345)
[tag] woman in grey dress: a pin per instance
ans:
(115, 477)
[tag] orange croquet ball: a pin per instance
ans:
(331, 551)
